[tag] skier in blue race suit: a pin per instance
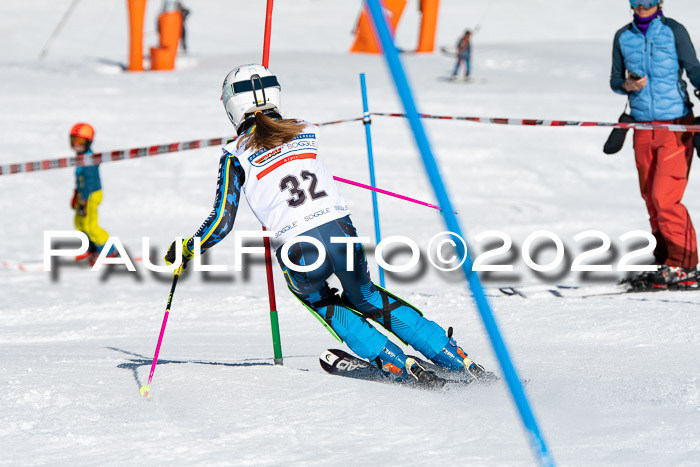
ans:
(274, 163)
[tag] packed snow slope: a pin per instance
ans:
(613, 379)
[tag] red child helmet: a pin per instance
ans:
(83, 130)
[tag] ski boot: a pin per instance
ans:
(455, 359)
(422, 377)
(406, 369)
(676, 278)
(83, 257)
(89, 256)
(665, 278)
(478, 372)
(392, 360)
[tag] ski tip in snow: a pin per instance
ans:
(339, 362)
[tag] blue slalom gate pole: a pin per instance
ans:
(536, 439)
(367, 120)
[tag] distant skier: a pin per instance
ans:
(649, 56)
(464, 53)
(87, 195)
(184, 11)
(274, 163)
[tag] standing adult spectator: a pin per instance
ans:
(649, 56)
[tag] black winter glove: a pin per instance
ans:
(186, 253)
(617, 137)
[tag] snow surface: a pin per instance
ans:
(613, 379)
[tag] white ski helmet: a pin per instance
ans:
(247, 89)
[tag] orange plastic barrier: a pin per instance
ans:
(137, 11)
(170, 28)
(428, 25)
(365, 41)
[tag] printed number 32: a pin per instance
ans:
(291, 183)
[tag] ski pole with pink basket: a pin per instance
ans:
(146, 388)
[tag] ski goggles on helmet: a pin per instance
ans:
(78, 140)
(260, 83)
(644, 3)
(239, 87)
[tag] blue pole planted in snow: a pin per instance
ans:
(536, 439)
(367, 120)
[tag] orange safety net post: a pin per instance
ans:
(365, 40)
(170, 28)
(137, 11)
(428, 25)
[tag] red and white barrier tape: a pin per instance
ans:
(335, 122)
(100, 157)
(123, 154)
(133, 153)
(557, 123)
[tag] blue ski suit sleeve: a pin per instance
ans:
(228, 196)
(686, 53)
(618, 74)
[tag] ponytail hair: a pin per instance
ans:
(269, 133)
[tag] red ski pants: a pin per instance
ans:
(663, 162)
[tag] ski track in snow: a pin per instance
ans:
(613, 380)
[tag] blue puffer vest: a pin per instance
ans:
(665, 97)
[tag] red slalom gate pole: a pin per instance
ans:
(268, 33)
(274, 321)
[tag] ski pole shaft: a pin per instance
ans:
(146, 388)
